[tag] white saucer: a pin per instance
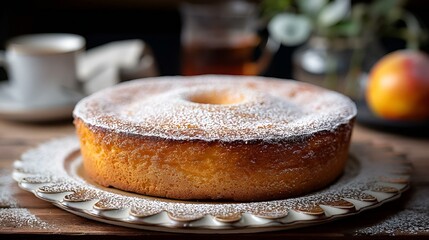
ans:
(12, 109)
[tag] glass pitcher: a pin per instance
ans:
(222, 38)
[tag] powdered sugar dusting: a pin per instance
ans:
(11, 215)
(6, 199)
(362, 174)
(20, 217)
(414, 219)
(163, 107)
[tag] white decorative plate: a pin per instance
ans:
(53, 172)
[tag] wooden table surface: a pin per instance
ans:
(16, 138)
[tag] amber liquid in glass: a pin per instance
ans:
(232, 57)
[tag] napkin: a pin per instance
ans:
(111, 63)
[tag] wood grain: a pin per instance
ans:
(16, 138)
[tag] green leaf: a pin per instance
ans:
(311, 7)
(382, 7)
(273, 7)
(290, 29)
(334, 12)
(348, 28)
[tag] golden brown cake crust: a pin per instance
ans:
(248, 171)
(274, 149)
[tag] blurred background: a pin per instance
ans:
(335, 46)
(157, 22)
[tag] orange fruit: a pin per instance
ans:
(398, 86)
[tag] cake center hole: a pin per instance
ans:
(220, 97)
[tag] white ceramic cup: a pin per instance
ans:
(42, 67)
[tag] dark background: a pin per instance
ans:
(157, 22)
